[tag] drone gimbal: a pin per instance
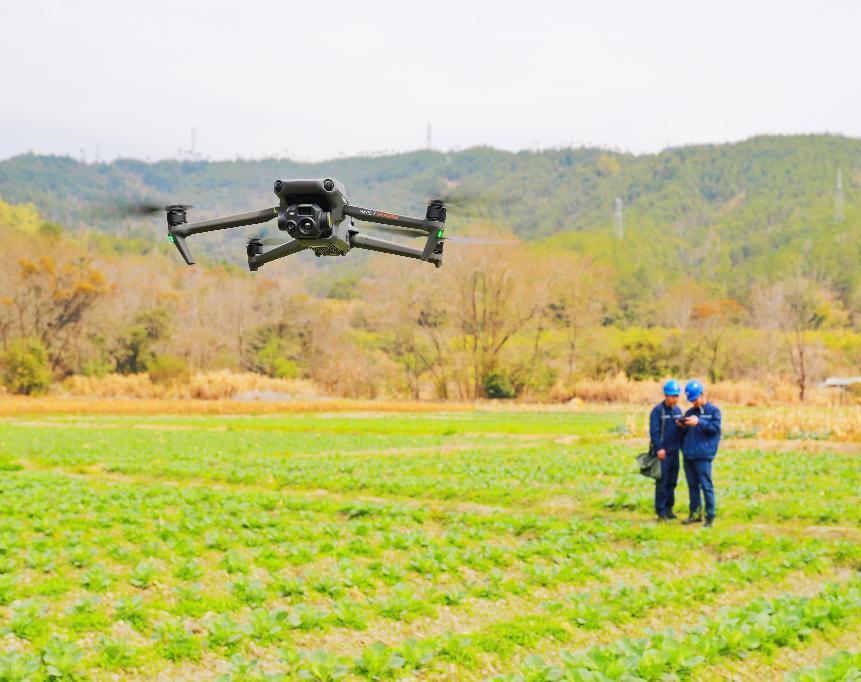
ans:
(317, 216)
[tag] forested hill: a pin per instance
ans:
(723, 214)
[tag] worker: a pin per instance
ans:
(665, 435)
(700, 440)
(666, 439)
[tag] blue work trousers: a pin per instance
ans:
(665, 488)
(698, 473)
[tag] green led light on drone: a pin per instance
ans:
(171, 238)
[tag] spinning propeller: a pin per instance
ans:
(436, 210)
(254, 245)
(141, 209)
(408, 232)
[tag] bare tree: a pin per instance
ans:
(712, 320)
(495, 293)
(793, 307)
(581, 292)
(50, 298)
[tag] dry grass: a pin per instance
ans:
(12, 406)
(225, 392)
(219, 385)
(802, 424)
(617, 390)
(812, 423)
(620, 389)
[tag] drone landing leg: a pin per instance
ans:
(288, 249)
(369, 243)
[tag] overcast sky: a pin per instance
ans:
(314, 80)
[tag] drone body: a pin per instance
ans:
(316, 215)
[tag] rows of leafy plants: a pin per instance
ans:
(89, 591)
(843, 666)
(598, 473)
(184, 546)
(762, 625)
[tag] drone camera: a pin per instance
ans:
(305, 221)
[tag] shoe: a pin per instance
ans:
(671, 516)
(693, 518)
(662, 518)
(709, 522)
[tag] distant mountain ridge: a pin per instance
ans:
(725, 213)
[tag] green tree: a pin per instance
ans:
(645, 360)
(136, 348)
(25, 367)
(276, 350)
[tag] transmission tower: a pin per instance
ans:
(838, 198)
(618, 223)
(429, 139)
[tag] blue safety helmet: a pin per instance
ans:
(672, 388)
(694, 389)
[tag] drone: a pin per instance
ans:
(316, 215)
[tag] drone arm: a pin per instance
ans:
(371, 216)
(178, 232)
(369, 243)
(433, 228)
(288, 249)
(252, 218)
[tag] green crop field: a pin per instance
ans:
(464, 546)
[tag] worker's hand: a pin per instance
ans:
(692, 420)
(662, 454)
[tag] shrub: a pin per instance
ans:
(533, 377)
(272, 359)
(134, 350)
(25, 368)
(168, 369)
(97, 367)
(645, 361)
(498, 386)
(50, 229)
